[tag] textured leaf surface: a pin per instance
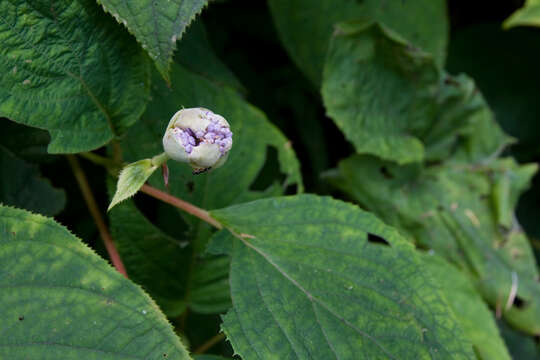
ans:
(528, 15)
(455, 210)
(131, 179)
(156, 24)
(59, 300)
(21, 185)
(472, 313)
(390, 99)
(252, 135)
(305, 26)
(307, 283)
(70, 70)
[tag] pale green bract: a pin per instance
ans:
(69, 69)
(528, 15)
(312, 278)
(59, 300)
(157, 24)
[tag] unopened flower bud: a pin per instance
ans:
(199, 137)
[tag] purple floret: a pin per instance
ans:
(214, 134)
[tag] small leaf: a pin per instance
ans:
(309, 281)
(59, 300)
(156, 24)
(131, 179)
(528, 15)
(21, 185)
(75, 74)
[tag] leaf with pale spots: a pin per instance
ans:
(316, 278)
(70, 70)
(156, 24)
(459, 211)
(59, 300)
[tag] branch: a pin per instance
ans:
(181, 204)
(211, 342)
(96, 214)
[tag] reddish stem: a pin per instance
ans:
(96, 214)
(181, 204)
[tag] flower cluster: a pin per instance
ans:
(199, 137)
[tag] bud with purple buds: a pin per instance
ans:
(199, 137)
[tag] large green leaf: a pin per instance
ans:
(59, 300)
(253, 134)
(316, 278)
(157, 24)
(70, 70)
(472, 313)
(390, 99)
(528, 15)
(21, 185)
(460, 212)
(305, 26)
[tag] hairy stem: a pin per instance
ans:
(181, 204)
(96, 214)
(208, 344)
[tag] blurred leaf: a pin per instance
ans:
(390, 99)
(163, 265)
(21, 185)
(25, 142)
(472, 313)
(528, 15)
(196, 54)
(252, 134)
(153, 259)
(452, 210)
(156, 24)
(131, 179)
(309, 280)
(521, 347)
(208, 357)
(66, 302)
(505, 69)
(70, 70)
(305, 26)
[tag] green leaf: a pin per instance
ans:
(528, 15)
(316, 278)
(196, 54)
(253, 133)
(390, 99)
(162, 264)
(70, 70)
(503, 60)
(452, 209)
(132, 178)
(156, 24)
(521, 347)
(472, 313)
(60, 300)
(25, 142)
(305, 26)
(21, 185)
(152, 258)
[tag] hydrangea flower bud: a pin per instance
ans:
(199, 137)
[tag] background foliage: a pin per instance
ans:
(411, 124)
